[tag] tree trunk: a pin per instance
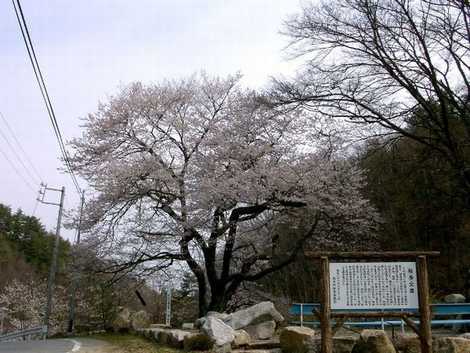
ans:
(222, 293)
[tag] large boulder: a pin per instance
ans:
(451, 345)
(242, 338)
(122, 321)
(262, 331)
(454, 298)
(264, 311)
(374, 341)
(220, 333)
(140, 319)
(199, 322)
(295, 339)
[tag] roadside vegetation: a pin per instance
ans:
(127, 343)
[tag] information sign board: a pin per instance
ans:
(373, 285)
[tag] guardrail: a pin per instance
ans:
(40, 330)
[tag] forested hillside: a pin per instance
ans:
(26, 247)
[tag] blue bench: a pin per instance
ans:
(438, 311)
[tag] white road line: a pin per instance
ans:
(76, 346)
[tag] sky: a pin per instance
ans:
(88, 49)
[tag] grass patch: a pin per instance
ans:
(127, 343)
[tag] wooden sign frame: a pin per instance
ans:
(325, 315)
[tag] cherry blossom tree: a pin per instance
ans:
(26, 302)
(199, 171)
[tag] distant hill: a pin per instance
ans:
(26, 246)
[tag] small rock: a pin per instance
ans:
(187, 326)
(262, 331)
(343, 344)
(454, 298)
(242, 338)
(295, 339)
(408, 344)
(176, 338)
(161, 336)
(197, 342)
(220, 333)
(451, 345)
(225, 348)
(374, 341)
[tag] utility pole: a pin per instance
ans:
(76, 271)
(55, 252)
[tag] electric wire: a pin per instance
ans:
(26, 157)
(35, 208)
(28, 184)
(42, 87)
(19, 159)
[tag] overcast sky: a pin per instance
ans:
(88, 48)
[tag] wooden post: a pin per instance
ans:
(424, 309)
(326, 331)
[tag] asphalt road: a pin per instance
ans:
(66, 345)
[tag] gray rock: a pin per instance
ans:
(262, 331)
(216, 314)
(187, 326)
(451, 345)
(242, 338)
(176, 337)
(264, 311)
(199, 322)
(140, 319)
(454, 298)
(220, 333)
(225, 348)
(295, 339)
(465, 335)
(374, 341)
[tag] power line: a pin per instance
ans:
(42, 87)
(26, 157)
(28, 184)
(19, 159)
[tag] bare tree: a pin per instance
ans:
(397, 67)
(198, 171)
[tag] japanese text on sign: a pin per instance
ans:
(374, 285)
